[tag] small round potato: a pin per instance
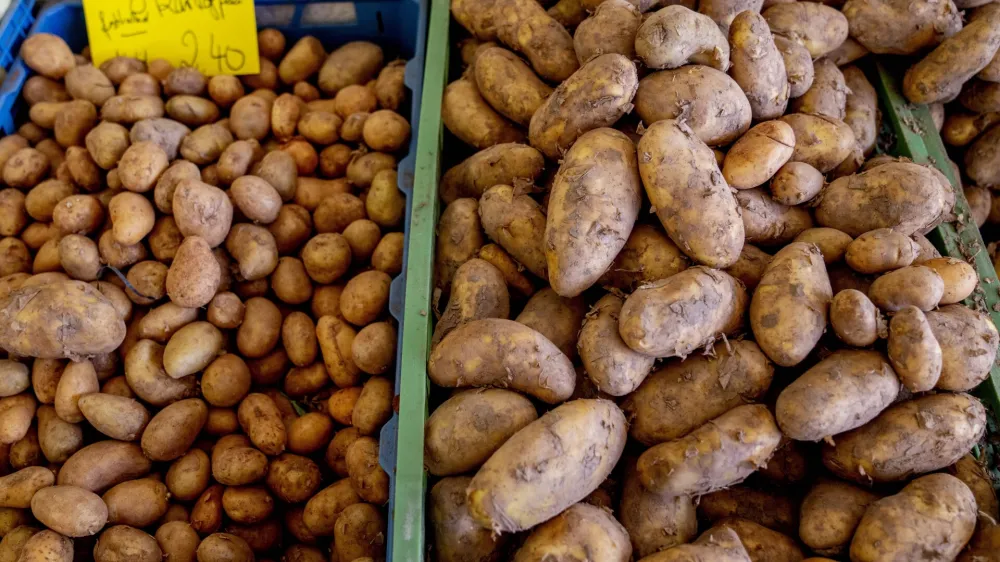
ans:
(365, 297)
(256, 199)
(48, 55)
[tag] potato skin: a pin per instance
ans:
(612, 366)
(707, 228)
(506, 163)
(503, 503)
(597, 190)
(914, 285)
(654, 522)
(914, 28)
(881, 250)
(70, 511)
(465, 430)
(975, 475)
(101, 465)
(47, 546)
(478, 291)
(517, 223)
(648, 255)
(470, 118)
(855, 320)
(939, 76)
(595, 96)
(659, 43)
(913, 350)
(581, 527)
(456, 536)
(789, 309)
(820, 28)
(959, 277)
(509, 85)
(524, 26)
(610, 29)
(720, 453)
(503, 345)
(845, 390)
(968, 341)
(769, 509)
(757, 65)
(649, 311)
(767, 222)
(822, 142)
(982, 159)
(173, 429)
(899, 443)
(940, 512)
(17, 489)
(720, 544)
(758, 155)
(709, 101)
(830, 513)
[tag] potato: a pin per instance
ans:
(509, 85)
(202, 210)
(448, 451)
(74, 320)
(140, 84)
(654, 420)
(122, 543)
(130, 109)
(172, 431)
(939, 76)
(828, 94)
(718, 543)
(260, 419)
(762, 543)
(367, 477)
(915, 285)
(25, 168)
(610, 29)
(359, 533)
(470, 118)
(15, 216)
(608, 361)
(757, 64)
(38, 89)
(361, 170)
(582, 526)
(326, 257)
(597, 426)
(913, 350)
(760, 154)
(968, 341)
(261, 328)
(924, 25)
(881, 250)
(768, 222)
(250, 117)
(236, 465)
(188, 476)
(899, 443)
(940, 510)
(47, 546)
(765, 508)
(235, 160)
(26, 451)
(47, 55)
(206, 143)
(557, 318)
(959, 277)
(830, 513)
(132, 217)
(716, 455)
(138, 503)
(14, 541)
(980, 96)
(654, 522)
(166, 133)
(293, 478)
(224, 547)
(717, 122)
(73, 121)
(247, 504)
(17, 489)
(14, 378)
(855, 320)
(386, 131)
(78, 257)
(820, 403)
(206, 514)
(70, 511)
(77, 379)
(365, 297)
(178, 541)
(648, 319)
(323, 509)
(194, 275)
(610, 78)
(454, 534)
(972, 472)
(503, 346)
(335, 341)
(703, 42)
(648, 255)
(820, 141)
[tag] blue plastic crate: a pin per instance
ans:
(13, 29)
(398, 26)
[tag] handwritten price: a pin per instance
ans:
(227, 59)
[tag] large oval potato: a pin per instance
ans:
(717, 455)
(758, 155)
(789, 309)
(454, 534)
(465, 430)
(501, 352)
(648, 255)
(913, 285)
(582, 431)
(507, 163)
(509, 85)
(939, 512)
(881, 250)
(684, 394)
(70, 511)
(173, 429)
(913, 350)
(914, 27)
(557, 318)
(597, 190)
(845, 390)
(467, 115)
(460, 235)
(939, 76)
(900, 442)
(673, 162)
(101, 465)
(675, 36)
(581, 527)
(17, 489)
(657, 320)
(769, 223)
(707, 100)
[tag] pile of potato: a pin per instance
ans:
(194, 288)
(689, 316)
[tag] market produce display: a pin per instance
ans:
(194, 306)
(684, 310)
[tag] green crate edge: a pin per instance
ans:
(409, 535)
(917, 138)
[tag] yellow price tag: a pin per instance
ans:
(214, 36)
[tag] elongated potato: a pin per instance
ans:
(820, 141)
(173, 429)
(497, 352)
(659, 320)
(467, 115)
(938, 513)
(595, 96)
(17, 489)
(758, 154)
(757, 64)
(557, 318)
(674, 162)
(648, 255)
(70, 511)
(675, 36)
(509, 85)
(828, 94)
(598, 191)
(478, 291)
(968, 341)
(654, 522)
(720, 453)
(913, 350)
(887, 27)
(788, 311)
(101, 465)
(881, 250)
(587, 437)
(762, 543)
(719, 544)
(959, 278)
(861, 109)
(507, 163)
(612, 366)
(939, 76)
(524, 26)
(456, 536)
(819, 28)
(845, 390)
(798, 65)
(705, 99)
(582, 527)
(914, 437)
(510, 269)
(908, 197)
(683, 395)
(460, 235)
(914, 285)
(465, 430)
(517, 223)
(767, 222)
